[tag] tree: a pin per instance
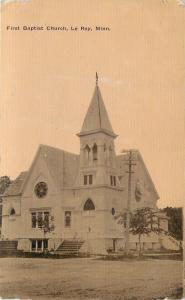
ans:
(45, 224)
(143, 221)
(175, 223)
(4, 183)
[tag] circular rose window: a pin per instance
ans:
(41, 189)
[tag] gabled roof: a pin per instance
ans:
(96, 119)
(122, 166)
(62, 166)
(148, 174)
(54, 160)
(15, 187)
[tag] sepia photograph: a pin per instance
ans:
(92, 149)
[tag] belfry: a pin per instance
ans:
(97, 151)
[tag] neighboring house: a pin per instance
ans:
(4, 183)
(81, 192)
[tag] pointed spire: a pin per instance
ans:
(96, 79)
(96, 119)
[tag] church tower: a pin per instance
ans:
(97, 151)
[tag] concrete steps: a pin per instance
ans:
(8, 247)
(169, 242)
(69, 247)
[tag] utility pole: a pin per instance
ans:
(130, 163)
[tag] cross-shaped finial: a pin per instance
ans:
(96, 78)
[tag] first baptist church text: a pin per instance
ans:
(57, 28)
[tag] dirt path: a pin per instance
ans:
(88, 278)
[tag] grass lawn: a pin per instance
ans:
(87, 278)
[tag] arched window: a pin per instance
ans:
(89, 205)
(12, 212)
(105, 153)
(113, 211)
(95, 152)
(87, 152)
(110, 153)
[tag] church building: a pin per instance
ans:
(68, 200)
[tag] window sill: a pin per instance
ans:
(88, 214)
(39, 251)
(12, 218)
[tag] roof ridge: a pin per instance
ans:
(57, 149)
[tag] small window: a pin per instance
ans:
(110, 154)
(33, 220)
(110, 150)
(85, 179)
(46, 219)
(45, 244)
(113, 211)
(12, 212)
(87, 151)
(95, 152)
(90, 179)
(40, 220)
(87, 148)
(67, 218)
(39, 245)
(89, 205)
(33, 245)
(113, 180)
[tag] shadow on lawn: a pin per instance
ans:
(141, 257)
(177, 294)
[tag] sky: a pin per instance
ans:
(48, 78)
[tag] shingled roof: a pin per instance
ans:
(122, 167)
(62, 165)
(15, 187)
(97, 118)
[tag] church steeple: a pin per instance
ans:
(96, 78)
(96, 119)
(97, 150)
